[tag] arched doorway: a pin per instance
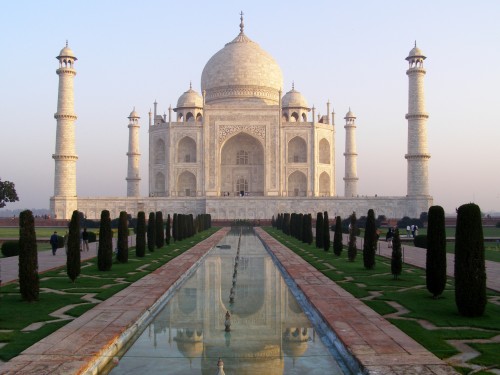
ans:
(242, 166)
(186, 184)
(297, 184)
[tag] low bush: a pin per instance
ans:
(420, 241)
(10, 248)
(92, 237)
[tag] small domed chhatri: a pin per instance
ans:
(240, 148)
(190, 98)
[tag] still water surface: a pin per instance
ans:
(266, 331)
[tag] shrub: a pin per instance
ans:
(337, 237)
(470, 273)
(319, 230)
(151, 232)
(73, 259)
(122, 243)
(140, 239)
(497, 225)
(92, 237)
(168, 228)
(397, 256)
(10, 248)
(175, 227)
(105, 248)
(420, 241)
(352, 249)
(29, 283)
(370, 242)
(160, 239)
(435, 261)
(326, 232)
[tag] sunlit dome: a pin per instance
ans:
(134, 114)
(190, 99)
(242, 69)
(67, 52)
(350, 114)
(294, 99)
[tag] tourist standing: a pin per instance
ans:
(53, 243)
(85, 238)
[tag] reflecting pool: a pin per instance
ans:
(235, 306)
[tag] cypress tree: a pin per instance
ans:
(470, 273)
(160, 239)
(29, 283)
(352, 250)
(140, 239)
(167, 230)
(370, 241)
(435, 262)
(105, 249)
(73, 258)
(286, 223)
(122, 244)
(300, 227)
(337, 237)
(319, 230)
(151, 232)
(309, 229)
(396, 256)
(326, 232)
(175, 227)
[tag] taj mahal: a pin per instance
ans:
(242, 148)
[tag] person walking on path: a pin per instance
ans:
(53, 243)
(85, 239)
(408, 231)
(388, 237)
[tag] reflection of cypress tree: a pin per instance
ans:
(319, 230)
(160, 240)
(140, 239)
(73, 258)
(167, 230)
(352, 250)
(370, 242)
(151, 232)
(397, 257)
(470, 273)
(29, 283)
(435, 263)
(122, 255)
(326, 232)
(337, 237)
(105, 249)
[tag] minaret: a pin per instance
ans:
(64, 201)
(133, 154)
(418, 155)
(351, 169)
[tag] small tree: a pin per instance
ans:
(151, 232)
(29, 283)
(470, 273)
(140, 239)
(167, 230)
(122, 254)
(397, 257)
(352, 250)
(73, 258)
(435, 262)
(370, 242)
(319, 230)
(105, 249)
(337, 237)
(7, 193)
(160, 239)
(326, 232)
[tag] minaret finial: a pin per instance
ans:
(66, 42)
(242, 25)
(293, 85)
(415, 43)
(190, 85)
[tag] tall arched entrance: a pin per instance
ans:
(242, 166)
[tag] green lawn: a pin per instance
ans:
(410, 292)
(58, 291)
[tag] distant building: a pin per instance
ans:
(241, 149)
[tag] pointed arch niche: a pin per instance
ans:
(242, 159)
(186, 150)
(324, 151)
(186, 184)
(324, 184)
(297, 184)
(297, 150)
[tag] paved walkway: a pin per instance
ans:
(416, 257)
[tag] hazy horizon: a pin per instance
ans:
(352, 54)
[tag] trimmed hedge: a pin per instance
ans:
(10, 248)
(420, 241)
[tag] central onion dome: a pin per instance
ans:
(242, 70)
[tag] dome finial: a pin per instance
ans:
(242, 25)
(415, 43)
(66, 42)
(293, 85)
(190, 85)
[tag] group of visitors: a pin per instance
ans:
(411, 231)
(84, 241)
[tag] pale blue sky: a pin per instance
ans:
(352, 52)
